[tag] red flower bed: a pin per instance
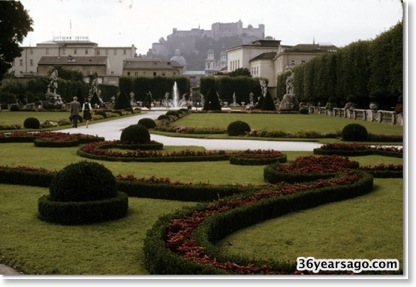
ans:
(259, 154)
(179, 231)
(105, 149)
(359, 147)
(317, 164)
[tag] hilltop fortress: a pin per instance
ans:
(195, 44)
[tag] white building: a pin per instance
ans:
(27, 63)
(268, 58)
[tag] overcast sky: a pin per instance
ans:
(143, 22)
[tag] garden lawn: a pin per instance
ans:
(110, 248)
(284, 122)
(366, 227)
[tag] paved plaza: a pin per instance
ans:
(111, 130)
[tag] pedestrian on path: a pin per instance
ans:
(75, 108)
(86, 110)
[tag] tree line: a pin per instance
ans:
(361, 72)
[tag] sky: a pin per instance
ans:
(141, 23)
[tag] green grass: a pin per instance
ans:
(36, 247)
(7, 117)
(285, 122)
(366, 227)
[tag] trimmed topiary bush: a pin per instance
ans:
(83, 181)
(147, 122)
(31, 123)
(135, 134)
(83, 192)
(354, 132)
(173, 113)
(238, 128)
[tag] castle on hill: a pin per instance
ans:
(197, 45)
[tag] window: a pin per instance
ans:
(47, 51)
(128, 73)
(63, 51)
(31, 51)
(75, 51)
(98, 51)
(86, 51)
(21, 63)
(154, 74)
(303, 61)
(31, 62)
(292, 62)
(124, 52)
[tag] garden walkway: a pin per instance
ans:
(111, 130)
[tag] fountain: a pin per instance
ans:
(175, 92)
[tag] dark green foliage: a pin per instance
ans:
(304, 111)
(15, 23)
(268, 103)
(122, 102)
(135, 134)
(240, 72)
(212, 103)
(354, 132)
(31, 123)
(370, 70)
(173, 113)
(83, 181)
(238, 128)
(84, 212)
(163, 118)
(147, 122)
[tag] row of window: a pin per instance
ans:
(86, 51)
(136, 74)
(234, 65)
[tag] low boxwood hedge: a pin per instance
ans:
(82, 212)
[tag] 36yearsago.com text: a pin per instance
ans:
(354, 265)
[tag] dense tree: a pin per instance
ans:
(268, 103)
(240, 72)
(15, 23)
(212, 102)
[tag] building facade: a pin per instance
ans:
(77, 47)
(150, 67)
(269, 59)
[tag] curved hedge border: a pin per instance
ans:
(183, 242)
(49, 139)
(102, 151)
(355, 149)
(258, 157)
(82, 212)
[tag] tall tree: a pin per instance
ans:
(15, 23)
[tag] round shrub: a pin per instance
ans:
(31, 123)
(173, 113)
(135, 134)
(83, 181)
(147, 122)
(163, 118)
(354, 132)
(238, 128)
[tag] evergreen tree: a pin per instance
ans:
(212, 102)
(268, 103)
(122, 102)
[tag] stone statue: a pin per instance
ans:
(53, 84)
(289, 101)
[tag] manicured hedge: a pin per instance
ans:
(82, 212)
(161, 260)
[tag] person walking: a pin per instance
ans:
(86, 110)
(75, 108)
